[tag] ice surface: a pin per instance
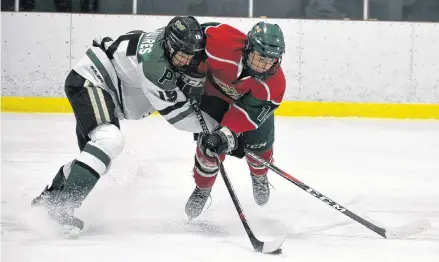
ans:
(383, 170)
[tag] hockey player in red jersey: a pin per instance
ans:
(245, 85)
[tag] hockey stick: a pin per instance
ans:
(271, 247)
(399, 232)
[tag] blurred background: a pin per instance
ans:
(382, 10)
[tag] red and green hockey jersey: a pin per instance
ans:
(252, 100)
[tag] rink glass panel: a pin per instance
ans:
(8, 5)
(78, 6)
(408, 10)
(382, 10)
(309, 9)
(230, 8)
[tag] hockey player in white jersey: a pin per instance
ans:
(128, 78)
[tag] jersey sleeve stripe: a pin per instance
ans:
(212, 26)
(267, 89)
(132, 45)
(221, 59)
(181, 115)
(169, 109)
(246, 115)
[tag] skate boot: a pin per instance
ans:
(58, 208)
(196, 202)
(261, 189)
(56, 204)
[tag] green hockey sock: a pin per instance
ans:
(85, 172)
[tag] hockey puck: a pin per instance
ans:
(276, 252)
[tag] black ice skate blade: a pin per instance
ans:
(276, 252)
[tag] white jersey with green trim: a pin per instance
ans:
(135, 71)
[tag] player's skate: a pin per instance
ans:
(261, 189)
(58, 208)
(196, 202)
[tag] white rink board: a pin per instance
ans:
(348, 61)
(35, 53)
(355, 61)
(426, 63)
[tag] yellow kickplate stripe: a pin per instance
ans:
(368, 110)
(36, 104)
(287, 108)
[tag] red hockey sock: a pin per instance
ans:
(205, 169)
(257, 168)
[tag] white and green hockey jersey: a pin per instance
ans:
(136, 72)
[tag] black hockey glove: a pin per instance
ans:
(221, 140)
(192, 85)
(239, 151)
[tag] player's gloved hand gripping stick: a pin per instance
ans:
(412, 228)
(271, 247)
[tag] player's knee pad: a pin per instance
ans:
(106, 143)
(109, 139)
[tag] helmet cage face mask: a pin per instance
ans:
(259, 65)
(179, 54)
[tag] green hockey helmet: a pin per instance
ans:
(264, 50)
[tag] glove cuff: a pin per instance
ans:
(230, 137)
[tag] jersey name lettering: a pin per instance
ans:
(148, 41)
